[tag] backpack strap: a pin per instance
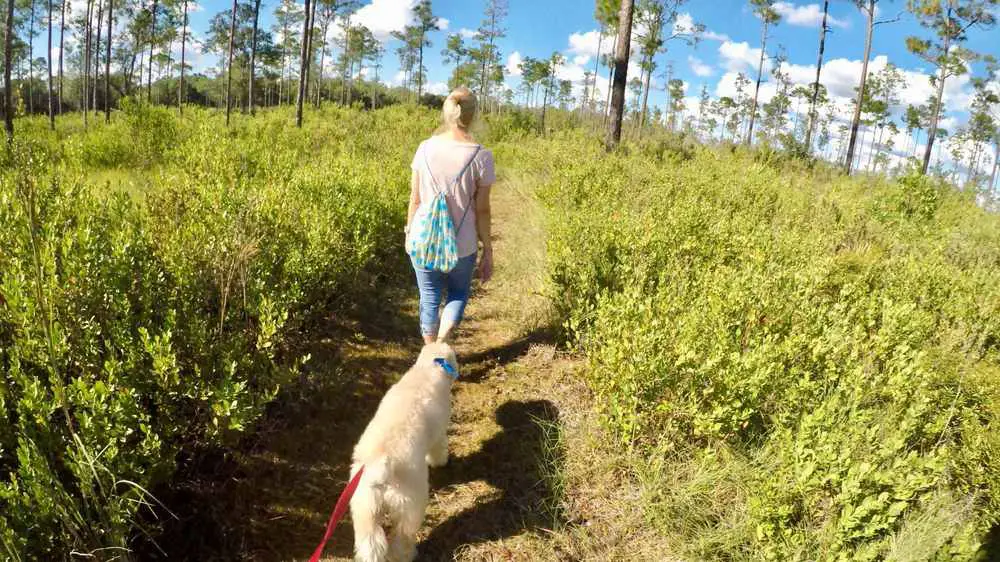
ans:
(434, 183)
(472, 201)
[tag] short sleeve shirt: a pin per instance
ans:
(438, 161)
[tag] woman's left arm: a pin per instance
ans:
(414, 199)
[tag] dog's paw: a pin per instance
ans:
(436, 462)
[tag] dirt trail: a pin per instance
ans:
(525, 480)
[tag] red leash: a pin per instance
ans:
(338, 513)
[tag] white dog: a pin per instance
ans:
(408, 433)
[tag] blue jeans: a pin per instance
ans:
(433, 283)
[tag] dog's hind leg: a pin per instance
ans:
(411, 510)
(370, 541)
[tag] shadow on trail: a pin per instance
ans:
(476, 366)
(991, 545)
(268, 498)
(520, 463)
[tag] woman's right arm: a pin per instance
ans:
(484, 228)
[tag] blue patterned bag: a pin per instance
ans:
(434, 245)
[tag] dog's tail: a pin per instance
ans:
(370, 542)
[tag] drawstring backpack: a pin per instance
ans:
(435, 245)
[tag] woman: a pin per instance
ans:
(453, 162)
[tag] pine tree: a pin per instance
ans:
(620, 76)
(868, 8)
(764, 10)
(490, 32)
(811, 124)
(426, 22)
(950, 20)
(48, 59)
(8, 88)
(303, 64)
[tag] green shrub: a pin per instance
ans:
(136, 321)
(841, 337)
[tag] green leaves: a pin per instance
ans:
(173, 308)
(823, 331)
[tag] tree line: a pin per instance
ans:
(803, 119)
(314, 52)
(317, 52)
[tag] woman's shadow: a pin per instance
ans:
(523, 462)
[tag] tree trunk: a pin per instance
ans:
(62, 33)
(621, 75)
(253, 55)
(420, 69)
(152, 42)
(871, 151)
(180, 86)
(322, 63)
(48, 60)
(756, 92)
(597, 68)
(229, 65)
(97, 56)
(935, 115)
(31, 58)
(303, 62)
(312, 25)
(487, 56)
(607, 102)
(284, 60)
(645, 95)
(84, 102)
(107, 65)
(8, 99)
(545, 103)
(819, 67)
(856, 122)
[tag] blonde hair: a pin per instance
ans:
(459, 110)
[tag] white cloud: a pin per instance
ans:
(685, 24)
(383, 17)
(727, 87)
(195, 7)
(467, 33)
(713, 36)
(581, 60)
(513, 66)
(699, 68)
(443, 24)
(438, 88)
(586, 43)
(398, 78)
(841, 77)
(740, 56)
(810, 15)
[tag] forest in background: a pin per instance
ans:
(315, 53)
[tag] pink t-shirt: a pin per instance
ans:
(443, 159)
